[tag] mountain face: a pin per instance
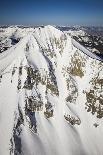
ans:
(51, 95)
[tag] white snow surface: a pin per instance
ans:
(55, 136)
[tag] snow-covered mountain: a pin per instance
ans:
(51, 95)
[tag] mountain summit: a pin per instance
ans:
(51, 95)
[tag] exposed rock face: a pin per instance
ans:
(51, 94)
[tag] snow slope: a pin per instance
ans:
(51, 96)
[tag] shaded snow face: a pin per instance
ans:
(51, 91)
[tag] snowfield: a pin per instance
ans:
(51, 95)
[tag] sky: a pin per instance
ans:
(54, 12)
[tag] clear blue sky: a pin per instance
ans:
(55, 12)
